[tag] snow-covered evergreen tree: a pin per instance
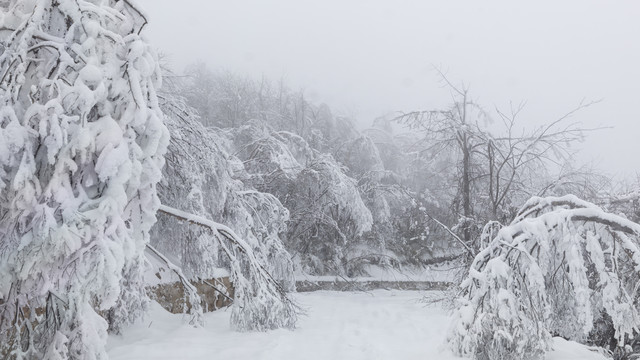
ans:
(81, 150)
(562, 265)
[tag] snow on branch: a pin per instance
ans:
(260, 303)
(448, 230)
(190, 291)
(82, 145)
(627, 197)
(560, 267)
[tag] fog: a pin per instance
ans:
(369, 58)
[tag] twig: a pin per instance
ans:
(467, 247)
(218, 290)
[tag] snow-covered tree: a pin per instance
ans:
(201, 179)
(496, 167)
(388, 201)
(279, 136)
(389, 150)
(327, 215)
(561, 266)
(81, 150)
(417, 188)
(322, 200)
(222, 99)
(272, 159)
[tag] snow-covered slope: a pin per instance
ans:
(340, 325)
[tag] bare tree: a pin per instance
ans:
(452, 128)
(492, 169)
(513, 159)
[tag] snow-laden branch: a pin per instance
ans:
(577, 210)
(561, 266)
(456, 237)
(190, 291)
(628, 197)
(260, 303)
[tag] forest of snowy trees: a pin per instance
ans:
(109, 158)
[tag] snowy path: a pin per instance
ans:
(340, 325)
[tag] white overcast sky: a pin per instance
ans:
(372, 57)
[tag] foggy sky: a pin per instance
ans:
(368, 58)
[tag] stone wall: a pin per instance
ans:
(336, 285)
(215, 294)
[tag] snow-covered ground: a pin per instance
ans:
(339, 325)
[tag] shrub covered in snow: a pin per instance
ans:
(81, 148)
(562, 265)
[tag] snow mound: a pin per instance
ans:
(571, 350)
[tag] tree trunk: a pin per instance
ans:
(466, 184)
